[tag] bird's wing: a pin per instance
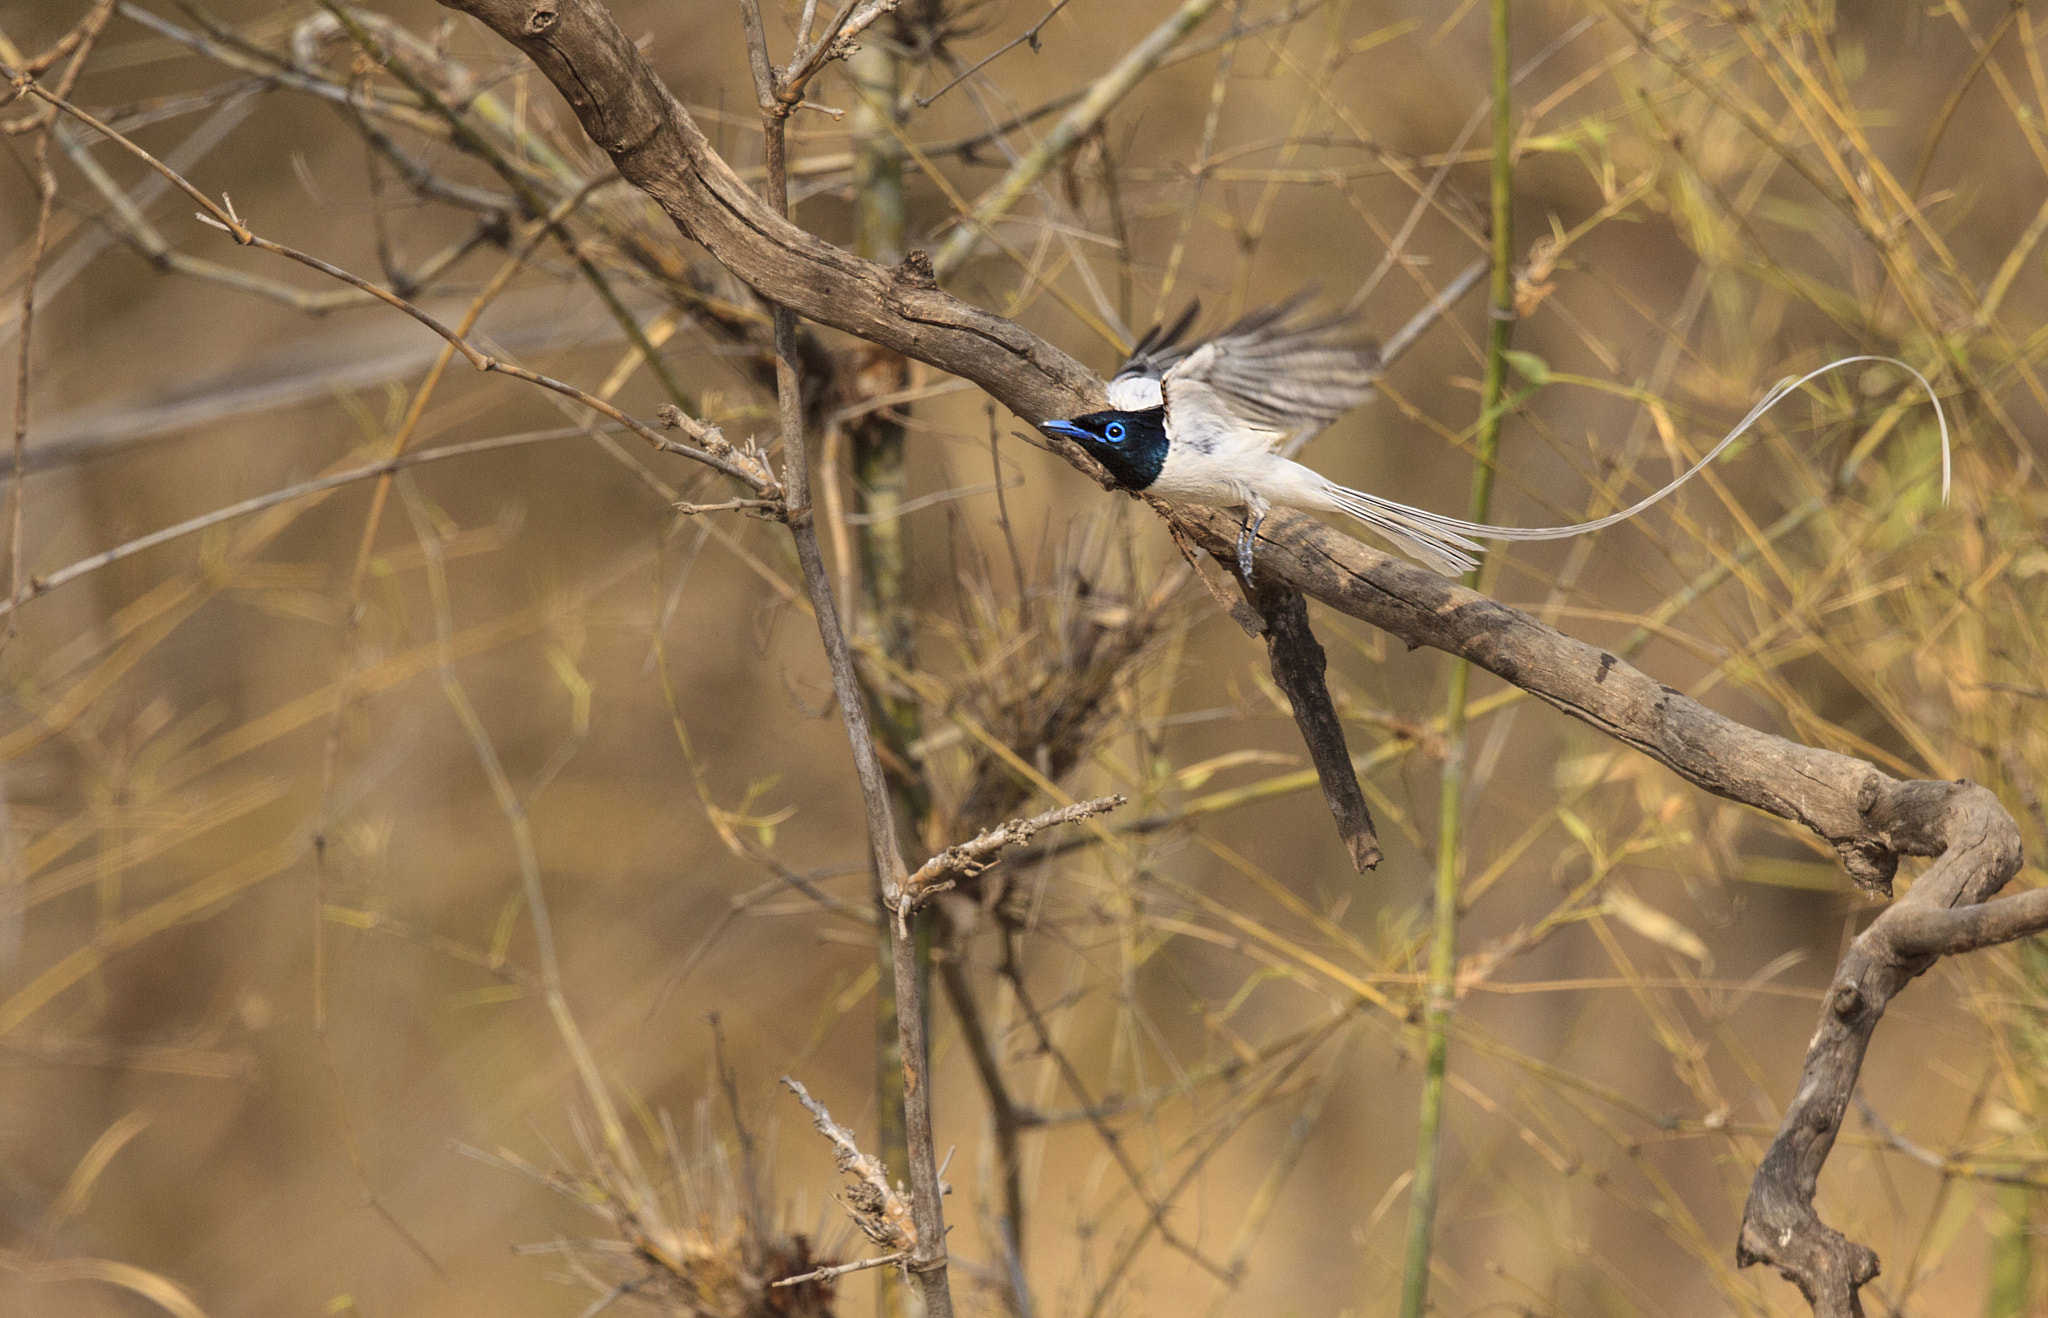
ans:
(1279, 372)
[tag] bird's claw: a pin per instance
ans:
(1247, 546)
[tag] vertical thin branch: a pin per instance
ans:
(46, 185)
(1443, 949)
(928, 1260)
(74, 45)
(1003, 1117)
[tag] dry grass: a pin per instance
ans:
(284, 799)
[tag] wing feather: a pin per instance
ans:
(1278, 371)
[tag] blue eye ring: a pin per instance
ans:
(1114, 432)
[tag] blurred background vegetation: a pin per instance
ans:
(279, 1030)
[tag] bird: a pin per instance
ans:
(1206, 422)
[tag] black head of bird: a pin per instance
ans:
(1131, 446)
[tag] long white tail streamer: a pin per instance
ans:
(1455, 529)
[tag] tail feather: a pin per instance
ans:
(1414, 532)
(1442, 541)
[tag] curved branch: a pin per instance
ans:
(1870, 818)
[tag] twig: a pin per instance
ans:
(1233, 1119)
(1029, 34)
(728, 1080)
(737, 465)
(840, 1270)
(1005, 1116)
(64, 576)
(17, 501)
(730, 505)
(932, 500)
(1097, 1118)
(76, 44)
(978, 853)
(835, 42)
(464, 134)
(780, 92)
(1404, 338)
(1928, 1158)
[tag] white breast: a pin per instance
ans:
(1194, 475)
(1216, 457)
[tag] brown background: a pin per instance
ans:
(265, 1138)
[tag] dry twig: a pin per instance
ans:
(966, 859)
(879, 1209)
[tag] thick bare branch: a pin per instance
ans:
(658, 147)
(1947, 911)
(1298, 666)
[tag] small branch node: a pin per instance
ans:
(916, 270)
(540, 16)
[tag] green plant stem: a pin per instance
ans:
(884, 611)
(2012, 1251)
(1443, 947)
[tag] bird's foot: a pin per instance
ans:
(1248, 544)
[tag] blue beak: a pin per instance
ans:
(1066, 429)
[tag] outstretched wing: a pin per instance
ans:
(1280, 372)
(1273, 371)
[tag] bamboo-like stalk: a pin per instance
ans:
(882, 539)
(1443, 947)
(2012, 1251)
